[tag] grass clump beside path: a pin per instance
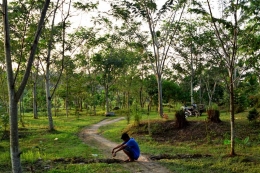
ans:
(199, 138)
(42, 150)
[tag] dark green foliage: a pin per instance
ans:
(4, 122)
(254, 100)
(253, 115)
(241, 102)
(151, 86)
(171, 91)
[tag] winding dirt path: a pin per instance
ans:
(144, 165)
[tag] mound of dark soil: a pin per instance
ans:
(196, 130)
(178, 156)
(42, 166)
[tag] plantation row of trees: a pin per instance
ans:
(142, 52)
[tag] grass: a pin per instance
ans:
(40, 147)
(247, 159)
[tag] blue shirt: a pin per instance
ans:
(133, 146)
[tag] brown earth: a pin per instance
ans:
(165, 130)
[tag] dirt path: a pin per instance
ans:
(143, 165)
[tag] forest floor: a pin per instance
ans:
(144, 164)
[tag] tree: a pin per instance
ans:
(15, 90)
(54, 30)
(162, 36)
(87, 41)
(34, 80)
(109, 66)
(227, 27)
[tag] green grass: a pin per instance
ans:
(247, 160)
(41, 147)
(38, 144)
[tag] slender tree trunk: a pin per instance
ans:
(67, 106)
(200, 90)
(55, 106)
(21, 109)
(48, 99)
(106, 95)
(160, 100)
(35, 108)
(67, 95)
(141, 97)
(47, 78)
(191, 78)
(35, 112)
(232, 114)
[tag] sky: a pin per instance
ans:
(84, 18)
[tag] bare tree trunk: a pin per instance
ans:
(55, 106)
(14, 139)
(35, 112)
(67, 96)
(47, 77)
(232, 115)
(21, 110)
(48, 99)
(47, 80)
(191, 78)
(106, 96)
(160, 100)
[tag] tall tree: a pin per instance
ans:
(54, 29)
(161, 36)
(15, 89)
(227, 26)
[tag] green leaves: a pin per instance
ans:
(238, 141)
(85, 6)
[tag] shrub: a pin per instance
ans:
(4, 122)
(253, 115)
(254, 100)
(239, 108)
(213, 106)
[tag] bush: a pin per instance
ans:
(239, 108)
(4, 122)
(254, 100)
(253, 115)
(213, 106)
